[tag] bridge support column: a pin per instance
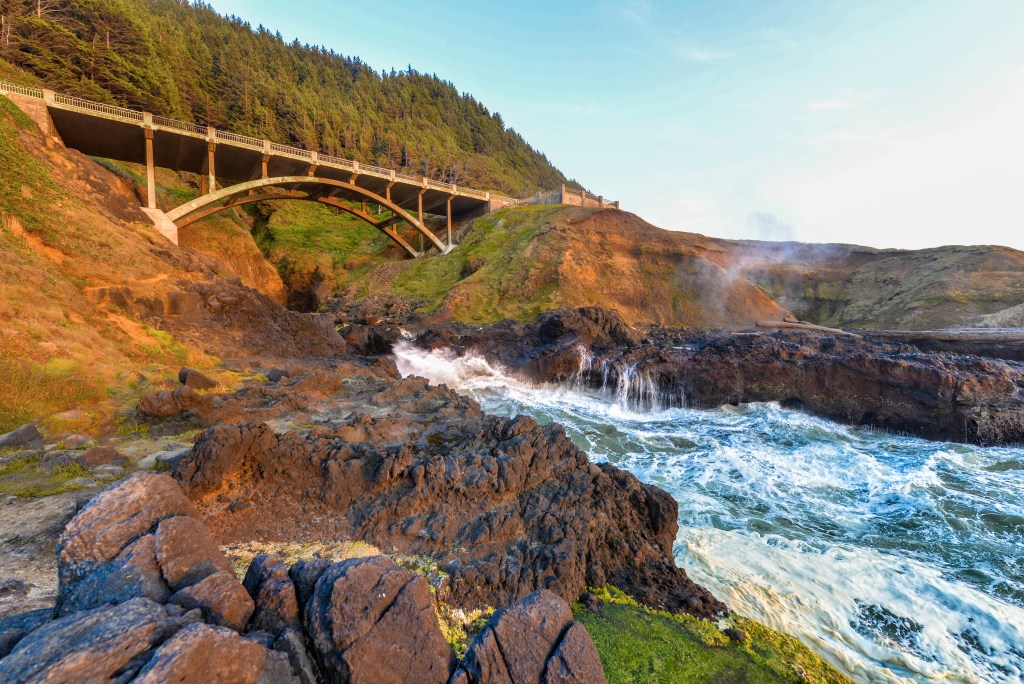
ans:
(449, 213)
(420, 213)
(314, 164)
(150, 171)
(211, 168)
(266, 158)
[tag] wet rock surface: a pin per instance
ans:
(847, 378)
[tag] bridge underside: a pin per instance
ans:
(275, 172)
(332, 193)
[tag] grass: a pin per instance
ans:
(641, 645)
(495, 273)
(31, 390)
(24, 477)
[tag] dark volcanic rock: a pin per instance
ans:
(99, 533)
(101, 455)
(220, 598)
(104, 644)
(190, 377)
(533, 642)
(201, 653)
(15, 627)
(186, 553)
(26, 438)
(506, 506)
(273, 591)
(371, 621)
(850, 379)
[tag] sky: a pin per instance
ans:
(893, 123)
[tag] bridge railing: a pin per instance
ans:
(28, 91)
(198, 129)
(337, 161)
(293, 151)
(98, 107)
(247, 141)
(375, 170)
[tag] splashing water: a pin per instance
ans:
(895, 558)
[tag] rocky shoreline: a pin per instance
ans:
(852, 379)
(502, 512)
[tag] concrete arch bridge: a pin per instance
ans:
(251, 170)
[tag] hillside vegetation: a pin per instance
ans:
(183, 60)
(68, 230)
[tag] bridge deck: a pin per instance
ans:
(117, 133)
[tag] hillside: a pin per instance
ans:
(859, 287)
(519, 262)
(95, 304)
(185, 61)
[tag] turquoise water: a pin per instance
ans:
(895, 558)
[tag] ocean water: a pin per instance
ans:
(894, 558)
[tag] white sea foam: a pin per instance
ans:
(894, 558)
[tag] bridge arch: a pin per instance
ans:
(309, 188)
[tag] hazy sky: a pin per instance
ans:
(893, 123)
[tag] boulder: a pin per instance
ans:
(273, 591)
(133, 573)
(200, 653)
(221, 598)
(78, 441)
(13, 628)
(110, 522)
(196, 380)
(25, 438)
(111, 643)
(576, 659)
(371, 621)
(532, 642)
(101, 456)
(186, 552)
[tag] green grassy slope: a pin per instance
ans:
(643, 646)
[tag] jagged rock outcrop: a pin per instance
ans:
(850, 379)
(359, 620)
(507, 507)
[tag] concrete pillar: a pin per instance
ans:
(362, 207)
(266, 159)
(150, 170)
(420, 212)
(583, 198)
(48, 97)
(449, 213)
(315, 163)
(355, 172)
(600, 201)
(561, 195)
(211, 169)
